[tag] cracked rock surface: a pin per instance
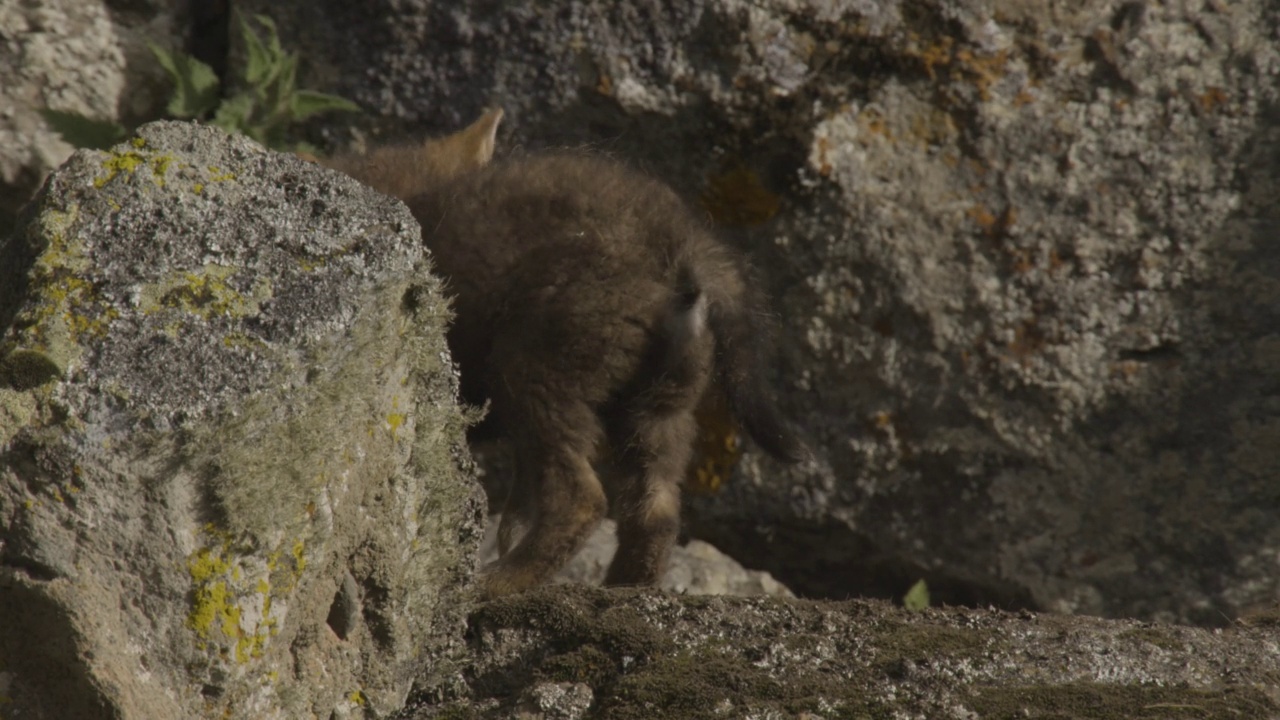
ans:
(233, 481)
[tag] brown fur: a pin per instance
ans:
(593, 310)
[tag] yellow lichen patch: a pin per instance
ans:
(240, 340)
(67, 306)
(717, 450)
(116, 163)
(129, 161)
(222, 604)
(299, 559)
(217, 174)
(204, 292)
(357, 697)
(394, 421)
(159, 166)
(736, 197)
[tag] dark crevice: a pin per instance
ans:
(344, 612)
(1159, 352)
(31, 568)
(209, 40)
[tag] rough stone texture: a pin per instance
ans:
(1025, 253)
(696, 567)
(574, 652)
(233, 481)
(84, 56)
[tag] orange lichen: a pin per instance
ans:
(717, 450)
(993, 226)
(1212, 99)
(1028, 339)
(736, 197)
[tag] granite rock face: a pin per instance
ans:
(1025, 254)
(567, 653)
(233, 481)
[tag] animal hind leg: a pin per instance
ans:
(517, 513)
(565, 501)
(653, 462)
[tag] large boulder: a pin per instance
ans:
(566, 653)
(233, 481)
(1025, 254)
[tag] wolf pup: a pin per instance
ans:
(593, 310)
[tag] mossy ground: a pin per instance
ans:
(646, 654)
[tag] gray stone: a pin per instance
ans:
(233, 481)
(1024, 250)
(88, 57)
(695, 568)
(643, 654)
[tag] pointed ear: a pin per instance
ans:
(481, 136)
(472, 147)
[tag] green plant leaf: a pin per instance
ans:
(195, 84)
(260, 65)
(306, 148)
(306, 103)
(917, 598)
(284, 83)
(84, 132)
(273, 37)
(235, 115)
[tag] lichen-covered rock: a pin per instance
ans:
(642, 654)
(232, 472)
(1025, 253)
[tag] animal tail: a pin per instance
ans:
(744, 344)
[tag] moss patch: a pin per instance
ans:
(637, 670)
(1097, 701)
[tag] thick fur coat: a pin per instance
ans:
(594, 310)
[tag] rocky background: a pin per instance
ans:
(1024, 253)
(1026, 262)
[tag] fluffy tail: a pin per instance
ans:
(744, 345)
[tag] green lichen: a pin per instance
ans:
(221, 597)
(17, 410)
(129, 161)
(217, 174)
(116, 163)
(270, 467)
(205, 293)
(299, 558)
(209, 601)
(64, 306)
